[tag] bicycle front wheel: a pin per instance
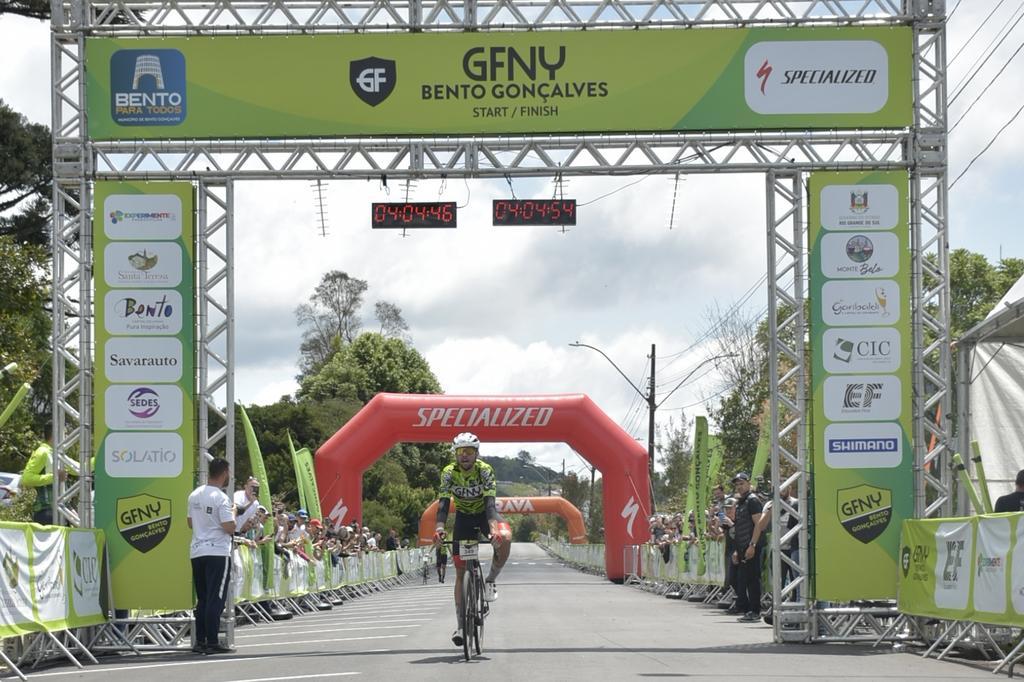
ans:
(468, 612)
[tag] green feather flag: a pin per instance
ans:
(700, 452)
(764, 447)
(259, 470)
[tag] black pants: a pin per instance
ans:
(211, 576)
(748, 584)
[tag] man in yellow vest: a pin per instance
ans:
(38, 474)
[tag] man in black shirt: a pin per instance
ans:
(747, 553)
(1014, 502)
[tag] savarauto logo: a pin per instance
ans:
(143, 359)
(372, 79)
(816, 77)
(148, 87)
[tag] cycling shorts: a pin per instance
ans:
(473, 526)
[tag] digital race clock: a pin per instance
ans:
(413, 214)
(533, 212)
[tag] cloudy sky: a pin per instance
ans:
(494, 309)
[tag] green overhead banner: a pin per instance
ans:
(969, 569)
(860, 380)
(144, 425)
(492, 83)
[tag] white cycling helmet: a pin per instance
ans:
(466, 440)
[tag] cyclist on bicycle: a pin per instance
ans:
(472, 484)
(442, 562)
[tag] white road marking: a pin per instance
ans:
(112, 669)
(318, 631)
(263, 631)
(322, 641)
(318, 676)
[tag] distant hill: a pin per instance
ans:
(515, 470)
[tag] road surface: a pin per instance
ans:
(550, 623)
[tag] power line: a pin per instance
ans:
(970, 77)
(976, 31)
(990, 83)
(953, 11)
(990, 143)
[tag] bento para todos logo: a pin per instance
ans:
(816, 77)
(147, 87)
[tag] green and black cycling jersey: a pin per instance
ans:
(468, 488)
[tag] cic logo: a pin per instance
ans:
(372, 79)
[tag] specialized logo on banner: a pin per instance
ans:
(373, 79)
(143, 520)
(148, 87)
(864, 511)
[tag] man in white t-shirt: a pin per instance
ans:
(247, 501)
(211, 517)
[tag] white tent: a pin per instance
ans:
(990, 385)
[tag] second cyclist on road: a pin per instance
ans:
(472, 484)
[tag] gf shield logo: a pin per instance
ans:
(372, 79)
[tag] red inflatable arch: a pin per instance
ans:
(392, 418)
(519, 505)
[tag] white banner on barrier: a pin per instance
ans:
(16, 583)
(955, 544)
(992, 550)
(85, 574)
(50, 586)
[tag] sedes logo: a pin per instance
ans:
(143, 402)
(816, 77)
(147, 87)
(372, 79)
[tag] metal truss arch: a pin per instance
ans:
(785, 156)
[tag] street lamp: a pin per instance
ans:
(650, 398)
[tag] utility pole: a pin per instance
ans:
(651, 407)
(563, 476)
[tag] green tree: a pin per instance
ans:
(674, 450)
(976, 286)
(330, 318)
(370, 365)
(25, 178)
(25, 330)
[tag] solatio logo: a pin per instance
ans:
(372, 79)
(147, 87)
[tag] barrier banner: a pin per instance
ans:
(860, 380)
(50, 578)
(144, 428)
(498, 82)
(964, 569)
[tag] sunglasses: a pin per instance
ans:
(465, 451)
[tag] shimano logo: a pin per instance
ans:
(839, 445)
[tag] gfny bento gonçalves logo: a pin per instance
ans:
(147, 87)
(372, 79)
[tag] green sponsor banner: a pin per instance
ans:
(144, 428)
(860, 379)
(492, 82)
(701, 456)
(968, 569)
